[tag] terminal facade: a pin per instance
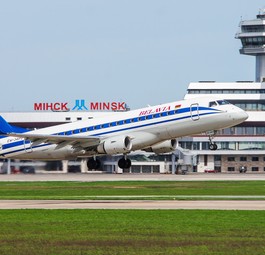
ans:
(242, 147)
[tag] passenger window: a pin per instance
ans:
(149, 117)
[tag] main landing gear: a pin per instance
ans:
(212, 145)
(94, 163)
(124, 163)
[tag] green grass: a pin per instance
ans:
(158, 189)
(128, 232)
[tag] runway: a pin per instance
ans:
(129, 204)
(93, 177)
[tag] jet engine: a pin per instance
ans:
(163, 147)
(115, 145)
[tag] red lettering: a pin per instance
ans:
(114, 106)
(48, 106)
(122, 106)
(105, 106)
(51, 106)
(94, 106)
(56, 106)
(38, 106)
(64, 107)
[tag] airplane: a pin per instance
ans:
(152, 129)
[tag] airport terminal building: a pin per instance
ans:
(242, 147)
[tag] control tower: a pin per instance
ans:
(252, 36)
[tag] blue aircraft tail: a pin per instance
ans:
(6, 128)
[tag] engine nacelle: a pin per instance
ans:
(163, 147)
(115, 145)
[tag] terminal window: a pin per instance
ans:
(243, 158)
(255, 158)
(231, 159)
(230, 169)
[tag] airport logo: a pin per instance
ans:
(81, 105)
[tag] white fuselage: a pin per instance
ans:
(144, 127)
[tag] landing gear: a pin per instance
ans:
(93, 163)
(212, 146)
(124, 163)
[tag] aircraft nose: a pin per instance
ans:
(243, 116)
(239, 115)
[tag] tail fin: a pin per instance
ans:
(6, 128)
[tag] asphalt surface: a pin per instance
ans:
(129, 204)
(93, 177)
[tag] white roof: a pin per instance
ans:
(52, 116)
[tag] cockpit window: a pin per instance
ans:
(218, 102)
(212, 104)
(222, 102)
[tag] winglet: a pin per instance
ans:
(5, 128)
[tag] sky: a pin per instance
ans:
(142, 52)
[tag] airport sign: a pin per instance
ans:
(80, 105)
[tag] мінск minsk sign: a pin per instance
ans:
(80, 105)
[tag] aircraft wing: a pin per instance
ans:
(54, 138)
(77, 141)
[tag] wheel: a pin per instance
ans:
(213, 146)
(98, 164)
(124, 163)
(93, 164)
(128, 163)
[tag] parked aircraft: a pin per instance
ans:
(152, 129)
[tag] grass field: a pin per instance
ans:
(158, 189)
(184, 232)
(197, 232)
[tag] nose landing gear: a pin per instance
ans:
(212, 145)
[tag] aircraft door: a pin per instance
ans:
(194, 112)
(27, 145)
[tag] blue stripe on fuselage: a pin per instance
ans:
(19, 143)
